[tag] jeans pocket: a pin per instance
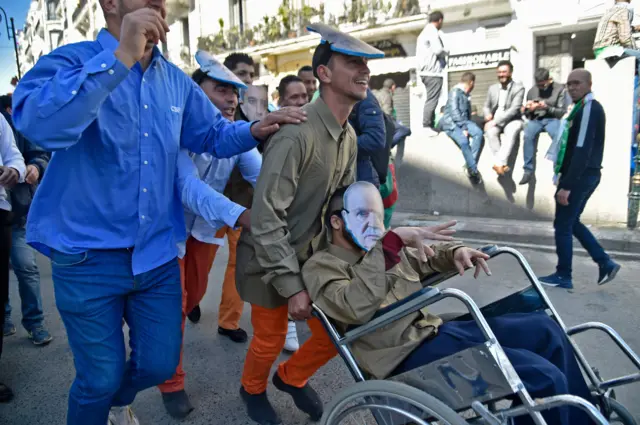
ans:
(60, 259)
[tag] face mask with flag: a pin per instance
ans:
(558, 148)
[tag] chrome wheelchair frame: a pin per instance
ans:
(485, 409)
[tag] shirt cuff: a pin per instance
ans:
(108, 70)
(244, 133)
(287, 285)
(231, 216)
(391, 246)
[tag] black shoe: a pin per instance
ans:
(177, 404)
(608, 272)
(194, 315)
(6, 395)
(305, 398)
(259, 408)
(475, 177)
(526, 178)
(235, 335)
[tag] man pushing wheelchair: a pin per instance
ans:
(365, 269)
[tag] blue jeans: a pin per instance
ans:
(23, 261)
(532, 130)
(537, 348)
(471, 145)
(94, 291)
(567, 224)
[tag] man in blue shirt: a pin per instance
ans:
(116, 115)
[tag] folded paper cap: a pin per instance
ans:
(217, 71)
(336, 41)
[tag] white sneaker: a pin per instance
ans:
(122, 416)
(291, 343)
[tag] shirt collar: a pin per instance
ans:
(344, 254)
(508, 86)
(109, 42)
(327, 117)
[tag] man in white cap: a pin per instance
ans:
(221, 87)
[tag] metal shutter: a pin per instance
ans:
(484, 79)
(401, 102)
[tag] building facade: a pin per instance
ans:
(478, 34)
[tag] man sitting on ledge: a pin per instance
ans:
(364, 270)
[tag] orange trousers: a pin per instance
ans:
(194, 273)
(269, 333)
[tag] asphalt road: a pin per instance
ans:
(41, 376)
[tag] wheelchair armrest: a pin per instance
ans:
(394, 312)
(403, 301)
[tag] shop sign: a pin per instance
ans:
(488, 59)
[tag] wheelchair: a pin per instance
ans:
(474, 385)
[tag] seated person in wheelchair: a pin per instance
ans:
(364, 270)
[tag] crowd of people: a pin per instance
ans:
(153, 169)
(550, 107)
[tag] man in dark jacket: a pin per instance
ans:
(457, 124)
(367, 120)
(579, 161)
(23, 257)
(545, 106)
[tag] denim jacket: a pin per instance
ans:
(457, 112)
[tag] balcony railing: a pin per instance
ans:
(290, 22)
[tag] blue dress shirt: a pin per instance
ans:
(116, 134)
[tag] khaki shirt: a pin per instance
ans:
(303, 165)
(351, 288)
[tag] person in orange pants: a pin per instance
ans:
(204, 238)
(231, 305)
(303, 165)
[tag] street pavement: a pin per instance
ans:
(41, 376)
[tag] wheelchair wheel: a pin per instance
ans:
(619, 414)
(387, 403)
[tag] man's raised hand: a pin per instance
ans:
(272, 122)
(415, 236)
(139, 28)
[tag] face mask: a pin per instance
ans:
(364, 227)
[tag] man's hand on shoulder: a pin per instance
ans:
(465, 258)
(414, 237)
(261, 130)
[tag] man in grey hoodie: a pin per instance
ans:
(433, 59)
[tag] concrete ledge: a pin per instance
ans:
(618, 241)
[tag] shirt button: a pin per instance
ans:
(74, 92)
(146, 134)
(146, 106)
(110, 72)
(146, 163)
(144, 189)
(104, 65)
(142, 217)
(144, 80)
